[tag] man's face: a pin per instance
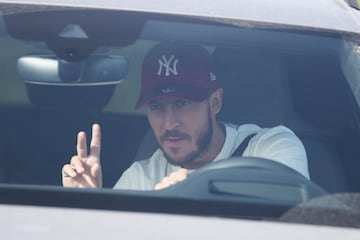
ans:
(183, 128)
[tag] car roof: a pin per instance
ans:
(321, 14)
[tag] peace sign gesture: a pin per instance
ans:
(84, 169)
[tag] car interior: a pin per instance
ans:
(270, 77)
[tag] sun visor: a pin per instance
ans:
(56, 83)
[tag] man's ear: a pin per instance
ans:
(216, 101)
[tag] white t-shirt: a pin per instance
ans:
(279, 144)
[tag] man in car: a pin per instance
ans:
(182, 96)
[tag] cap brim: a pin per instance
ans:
(191, 94)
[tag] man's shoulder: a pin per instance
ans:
(238, 133)
(251, 128)
(279, 131)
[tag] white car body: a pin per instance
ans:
(46, 222)
(25, 222)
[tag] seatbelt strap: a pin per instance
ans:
(241, 148)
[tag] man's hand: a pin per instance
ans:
(85, 170)
(172, 179)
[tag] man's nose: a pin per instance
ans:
(171, 119)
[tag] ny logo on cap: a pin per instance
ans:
(169, 65)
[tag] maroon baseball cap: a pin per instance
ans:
(176, 69)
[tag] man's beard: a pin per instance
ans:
(202, 144)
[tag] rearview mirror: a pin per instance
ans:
(81, 86)
(96, 69)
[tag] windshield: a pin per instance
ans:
(132, 102)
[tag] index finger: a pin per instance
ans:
(95, 145)
(81, 145)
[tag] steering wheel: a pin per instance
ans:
(247, 178)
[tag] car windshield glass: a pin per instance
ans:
(178, 106)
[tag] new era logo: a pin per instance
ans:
(212, 77)
(168, 90)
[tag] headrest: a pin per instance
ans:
(255, 87)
